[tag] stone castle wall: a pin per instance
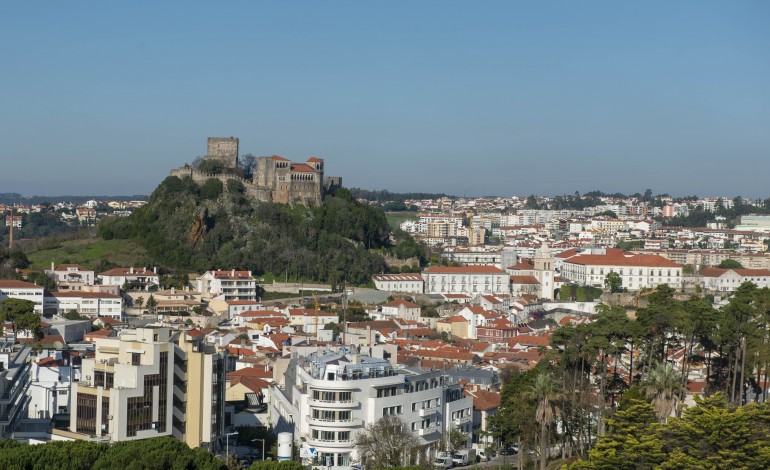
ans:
(224, 149)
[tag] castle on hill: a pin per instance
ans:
(274, 179)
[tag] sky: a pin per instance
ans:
(477, 98)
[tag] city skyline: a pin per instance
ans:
(494, 99)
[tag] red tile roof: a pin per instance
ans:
(13, 284)
(398, 302)
(302, 168)
(623, 259)
(464, 270)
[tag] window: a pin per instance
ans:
(136, 359)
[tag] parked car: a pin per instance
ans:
(443, 462)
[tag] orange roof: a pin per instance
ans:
(464, 270)
(13, 284)
(400, 301)
(85, 295)
(455, 319)
(613, 258)
(315, 160)
(524, 280)
(279, 158)
(301, 167)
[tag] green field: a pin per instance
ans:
(89, 252)
(396, 218)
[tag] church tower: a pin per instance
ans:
(544, 271)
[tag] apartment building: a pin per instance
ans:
(141, 385)
(137, 278)
(90, 304)
(12, 289)
(14, 383)
(326, 398)
(727, 280)
(233, 285)
(71, 276)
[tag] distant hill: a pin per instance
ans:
(215, 226)
(16, 198)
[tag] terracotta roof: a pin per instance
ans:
(279, 158)
(398, 302)
(623, 259)
(465, 270)
(398, 277)
(302, 168)
(127, 272)
(484, 401)
(13, 284)
(524, 280)
(254, 384)
(315, 160)
(455, 319)
(85, 295)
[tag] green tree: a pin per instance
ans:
(663, 385)
(74, 315)
(388, 443)
(730, 264)
(456, 440)
(544, 393)
(21, 314)
(613, 282)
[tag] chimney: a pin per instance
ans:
(232, 273)
(155, 270)
(131, 271)
(52, 266)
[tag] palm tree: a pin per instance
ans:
(663, 385)
(544, 393)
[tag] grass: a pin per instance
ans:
(396, 218)
(89, 252)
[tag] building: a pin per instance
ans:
(727, 280)
(136, 278)
(326, 399)
(23, 290)
(14, 220)
(406, 283)
(141, 385)
(14, 384)
(51, 376)
(754, 223)
(233, 285)
(274, 179)
(635, 270)
(466, 280)
(71, 276)
(90, 304)
(400, 308)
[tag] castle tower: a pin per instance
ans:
(544, 271)
(224, 149)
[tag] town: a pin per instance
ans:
(498, 292)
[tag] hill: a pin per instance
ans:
(215, 226)
(93, 253)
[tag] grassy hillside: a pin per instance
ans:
(396, 218)
(92, 253)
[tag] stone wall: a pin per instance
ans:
(224, 149)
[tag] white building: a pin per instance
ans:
(233, 285)
(717, 279)
(137, 278)
(410, 283)
(23, 290)
(90, 304)
(635, 270)
(325, 400)
(469, 280)
(51, 378)
(400, 308)
(14, 384)
(71, 276)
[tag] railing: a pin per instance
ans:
(428, 411)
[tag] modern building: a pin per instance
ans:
(141, 385)
(90, 304)
(137, 278)
(23, 290)
(233, 285)
(326, 399)
(14, 384)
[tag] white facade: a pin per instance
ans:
(70, 274)
(25, 291)
(411, 283)
(727, 280)
(233, 285)
(326, 400)
(636, 271)
(139, 278)
(90, 304)
(49, 391)
(469, 280)
(14, 384)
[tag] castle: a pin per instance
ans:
(274, 179)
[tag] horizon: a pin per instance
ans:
(434, 97)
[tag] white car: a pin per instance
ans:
(443, 462)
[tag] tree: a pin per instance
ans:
(247, 163)
(139, 301)
(544, 393)
(730, 264)
(74, 315)
(456, 440)
(387, 443)
(613, 282)
(664, 386)
(151, 303)
(21, 314)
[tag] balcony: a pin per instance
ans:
(329, 443)
(334, 423)
(428, 411)
(179, 372)
(179, 393)
(427, 431)
(332, 404)
(462, 420)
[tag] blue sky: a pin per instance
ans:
(544, 97)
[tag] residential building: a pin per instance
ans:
(23, 290)
(233, 285)
(14, 383)
(71, 276)
(326, 399)
(466, 280)
(14, 220)
(404, 309)
(90, 304)
(52, 374)
(407, 283)
(136, 278)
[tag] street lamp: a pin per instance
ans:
(263, 447)
(227, 442)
